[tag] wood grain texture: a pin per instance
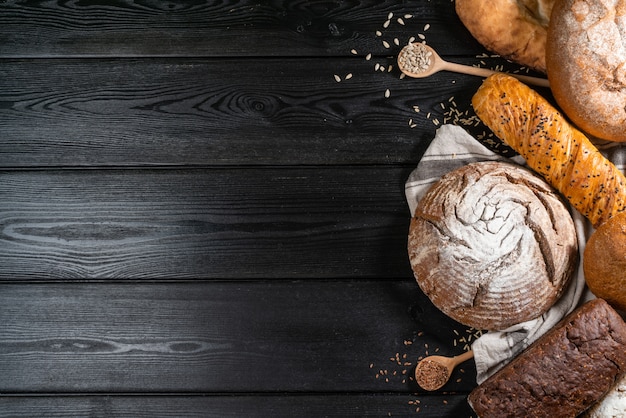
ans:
(216, 223)
(223, 337)
(194, 112)
(243, 405)
(197, 219)
(205, 28)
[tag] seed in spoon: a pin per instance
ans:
(431, 375)
(415, 58)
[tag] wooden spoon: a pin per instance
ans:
(434, 371)
(419, 60)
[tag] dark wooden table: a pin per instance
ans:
(198, 219)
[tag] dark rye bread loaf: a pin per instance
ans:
(563, 372)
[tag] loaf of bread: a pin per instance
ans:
(562, 373)
(586, 64)
(492, 245)
(552, 147)
(514, 29)
(605, 262)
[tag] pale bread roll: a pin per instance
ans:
(514, 29)
(492, 245)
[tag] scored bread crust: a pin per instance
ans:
(492, 245)
(514, 29)
(586, 64)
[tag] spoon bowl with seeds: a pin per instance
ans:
(418, 60)
(433, 372)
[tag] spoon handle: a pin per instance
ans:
(485, 72)
(463, 357)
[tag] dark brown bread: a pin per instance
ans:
(562, 373)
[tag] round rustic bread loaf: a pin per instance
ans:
(492, 245)
(514, 29)
(586, 64)
(604, 261)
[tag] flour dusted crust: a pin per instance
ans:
(514, 29)
(492, 245)
(586, 64)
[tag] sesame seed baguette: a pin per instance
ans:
(551, 146)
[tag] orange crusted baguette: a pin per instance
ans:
(552, 147)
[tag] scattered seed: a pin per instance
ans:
(379, 33)
(396, 41)
(376, 67)
(349, 76)
(421, 36)
(387, 93)
(400, 21)
(426, 27)
(411, 39)
(386, 24)
(337, 78)
(408, 16)
(390, 15)
(386, 44)
(354, 52)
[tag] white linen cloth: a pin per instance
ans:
(451, 148)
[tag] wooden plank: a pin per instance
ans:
(324, 336)
(251, 406)
(236, 28)
(220, 112)
(236, 223)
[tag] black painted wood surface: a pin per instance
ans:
(197, 219)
